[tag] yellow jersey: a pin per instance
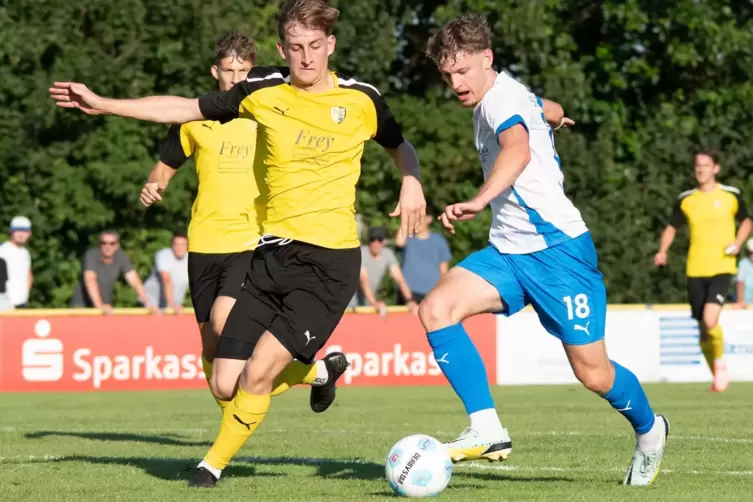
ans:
(310, 145)
(711, 219)
(226, 214)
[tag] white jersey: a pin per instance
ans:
(534, 213)
(18, 261)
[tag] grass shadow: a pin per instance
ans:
(168, 469)
(165, 439)
(333, 468)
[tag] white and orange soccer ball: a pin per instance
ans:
(418, 466)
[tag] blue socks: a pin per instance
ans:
(461, 363)
(627, 397)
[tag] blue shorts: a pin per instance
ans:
(562, 283)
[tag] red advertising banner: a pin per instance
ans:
(91, 353)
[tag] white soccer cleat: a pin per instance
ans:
(645, 465)
(473, 445)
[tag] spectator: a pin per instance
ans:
(168, 282)
(5, 303)
(18, 262)
(101, 268)
(426, 259)
(745, 278)
(376, 260)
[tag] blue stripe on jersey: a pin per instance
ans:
(514, 120)
(551, 132)
(551, 234)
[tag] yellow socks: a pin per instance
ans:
(207, 367)
(240, 418)
(294, 374)
(713, 346)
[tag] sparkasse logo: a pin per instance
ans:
(42, 357)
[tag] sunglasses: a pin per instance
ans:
(108, 243)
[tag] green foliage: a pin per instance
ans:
(646, 82)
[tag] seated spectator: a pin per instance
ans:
(18, 262)
(101, 268)
(376, 260)
(745, 278)
(426, 258)
(5, 304)
(167, 285)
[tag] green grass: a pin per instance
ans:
(568, 445)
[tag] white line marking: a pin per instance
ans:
(718, 440)
(471, 465)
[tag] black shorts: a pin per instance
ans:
(298, 292)
(703, 290)
(215, 274)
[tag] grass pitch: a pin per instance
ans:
(567, 445)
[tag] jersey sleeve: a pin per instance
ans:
(224, 106)
(388, 134)
(742, 211)
(677, 218)
(500, 112)
(385, 129)
(177, 147)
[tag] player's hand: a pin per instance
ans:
(75, 95)
(152, 193)
(565, 122)
(660, 259)
(411, 207)
(732, 250)
(177, 309)
(462, 211)
(106, 309)
(739, 305)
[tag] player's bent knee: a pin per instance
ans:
(598, 380)
(223, 390)
(435, 312)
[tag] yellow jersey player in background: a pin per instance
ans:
(227, 212)
(711, 211)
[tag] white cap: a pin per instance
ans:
(20, 223)
(749, 245)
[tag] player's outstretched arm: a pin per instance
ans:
(555, 115)
(514, 156)
(412, 205)
(161, 109)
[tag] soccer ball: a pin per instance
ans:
(418, 466)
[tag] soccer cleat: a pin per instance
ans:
(322, 396)
(645, 466)
(721, 377)
(201, 478)
(471, 445)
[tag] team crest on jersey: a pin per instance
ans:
(337, 113)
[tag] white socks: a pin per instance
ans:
(486, 422)
(322, 376)
(653, 439)
(215, 472)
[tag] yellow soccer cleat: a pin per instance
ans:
(472, 445)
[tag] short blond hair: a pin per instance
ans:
(468, 33)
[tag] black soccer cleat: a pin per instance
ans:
(322, 396)
(201, 478)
